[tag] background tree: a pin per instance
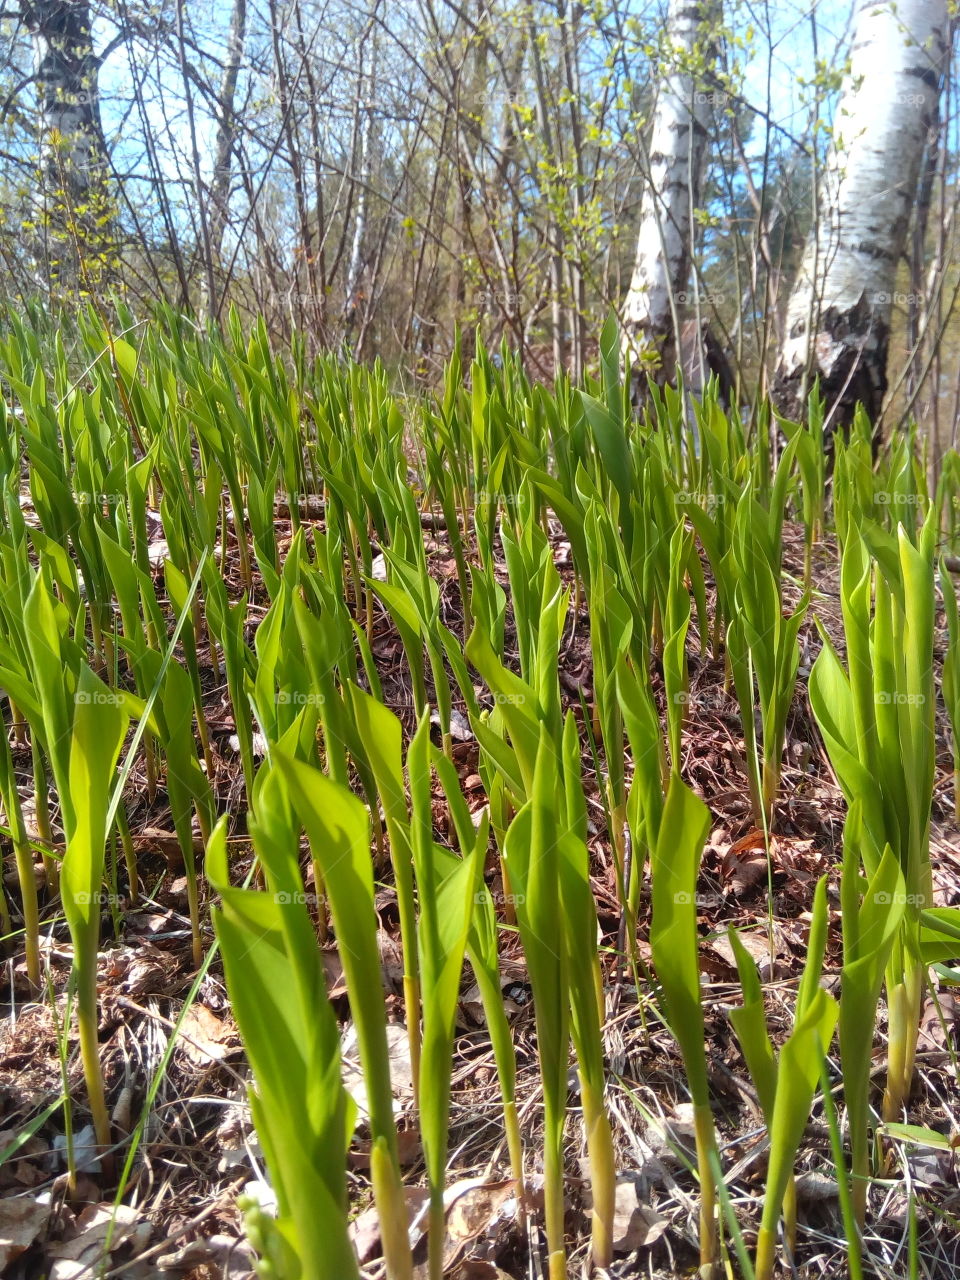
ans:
(74, 211)
(671, 195)
(838, 317)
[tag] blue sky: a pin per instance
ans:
(792, 57)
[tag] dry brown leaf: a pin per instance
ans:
(471, 1006)
(754, 839)
(365, 1229)
(664, 1135)
(333, 971)
(755, 942)
(224, 1252)
(23, 1167)
(474, 1209)
(146, 970)
(203, 1035)
(142, 922)
(22, 1220)
(75, 1257)
(408, 1150)
(391, 960)
(401, 1072)
(715, 965)
(937, 1016)
(477, 1269)
(745, 873)
(635, 1225)
(813, 1186)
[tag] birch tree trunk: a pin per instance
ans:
(364, 161)
(226, 130)
(838, 316)
(569, 25)
(74, 209)
(554, 231)
(672, 192)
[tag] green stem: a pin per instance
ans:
(193, 905)
(553, 1205)
(51, 865)
(770, 787)
(411, 1004)
(391, 1205)
(790, 1215)
(847, 1212)
(243, 550)
(706, 1141)
(87, 1022)
(603, 1175)
(766, 1254)
(129, 854)
(509, 909)
(28, 894)
(511, 1124)
(860, 1174)
(24, 857)
(436, 1234)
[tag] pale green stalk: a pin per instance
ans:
(674, 944)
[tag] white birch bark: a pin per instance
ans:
(838, 316)
(65, 72)
(672, 190)
(74, 212)
(365, 161)
(226, 129)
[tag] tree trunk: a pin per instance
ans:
(554, 231)
(569, 24)
(363, 162)
(701, 357)
(672, 191)
(838, 317)
(76, 212)
(226, 130)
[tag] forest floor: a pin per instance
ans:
(176, 1074)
